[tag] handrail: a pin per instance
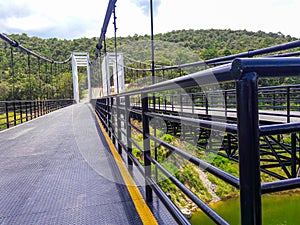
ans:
(245, 72)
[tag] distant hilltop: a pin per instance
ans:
(205, 43)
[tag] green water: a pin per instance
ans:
(276, 209)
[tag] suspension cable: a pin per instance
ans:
(115, 41)
(109, 10)
(40, 79)
(152, 43)
(29, 74)
(47, 80)
(12, 72)
(15, 44)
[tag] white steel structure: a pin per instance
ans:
(80, 59)
(116, 62)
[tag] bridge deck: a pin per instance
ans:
(58, 169)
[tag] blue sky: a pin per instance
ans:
(69, 19)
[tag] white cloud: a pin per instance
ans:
(254, 15)
(73, 19)
(45, 18)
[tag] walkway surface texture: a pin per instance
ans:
(58, 169)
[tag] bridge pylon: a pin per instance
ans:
(113, 65)
(80, 59)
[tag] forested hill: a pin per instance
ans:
(205, 43)
(214, 43)
(19, 82)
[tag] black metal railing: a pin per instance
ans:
(13, 113)
(274, 101)
(116, 113)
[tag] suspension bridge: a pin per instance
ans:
(103, 161)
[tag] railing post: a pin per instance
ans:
(248, 140)
(30, 110)
(288, 105)
(106, 114)
(26, 110)
(15, 114)
(112, 125)
(193, 103)
(206, 103)
(42, 107)
(46, 106)
(34, 109)
(7, 115)
(165, 101)
(172, 100)
(38, 108)
(109, 116)
(274, 100)
(181, 102)
(293, 155)
(146, 143)
(21, 111)
(119, 125)
(128, 130)
(226, 104)
(159, 98)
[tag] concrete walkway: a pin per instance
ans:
(57, 169)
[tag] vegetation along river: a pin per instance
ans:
(276, 210)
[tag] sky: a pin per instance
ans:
(69, 19)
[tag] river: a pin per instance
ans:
(277, 210)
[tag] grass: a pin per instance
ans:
(3, 120)
(187, 173)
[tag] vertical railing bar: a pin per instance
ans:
(112, 124)
(128, 131)
(181, 103)
(15, 113)
(293, 155)
(21, 111)
(206, 103)
(193, 103)
(26, 110)
(7, 114)
(30, 109)
(146, 143)
(119, 125)
(288, 104)
(226, 103)
(249, 158)
(38, 108)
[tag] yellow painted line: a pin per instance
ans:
(137, 198)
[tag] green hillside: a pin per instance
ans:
(179, 47)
